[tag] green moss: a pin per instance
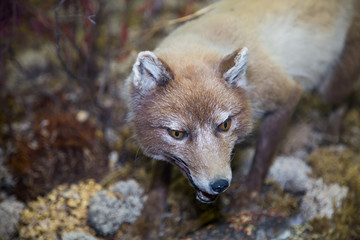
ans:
(343, 167)
(351, 129)
(276, 199)
(331, 164)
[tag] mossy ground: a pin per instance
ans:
(339, 166)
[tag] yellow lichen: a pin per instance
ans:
(63, 210)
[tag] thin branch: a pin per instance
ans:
(196, 14)
(90, 17)
(191, 16)
(91, 47)
(57, 35)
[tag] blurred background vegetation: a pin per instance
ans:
(62, 69)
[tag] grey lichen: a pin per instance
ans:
(321, 199)
(10, 216)
(77, 236)
(109, 209)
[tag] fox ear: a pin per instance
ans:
(233, 68)
(150, 72)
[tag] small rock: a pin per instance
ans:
(113, 160)
(6, 180)
(82, 116)
(10, 217)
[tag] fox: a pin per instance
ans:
(203, 88)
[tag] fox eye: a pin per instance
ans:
(176, 134)
(225, 126)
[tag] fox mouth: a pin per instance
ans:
(205, 197)
(202, 196)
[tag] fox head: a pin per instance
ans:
(192, 116)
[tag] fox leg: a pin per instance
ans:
(271, 132)
(149, 224)
(340, 81)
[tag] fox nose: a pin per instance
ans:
(219, 185)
